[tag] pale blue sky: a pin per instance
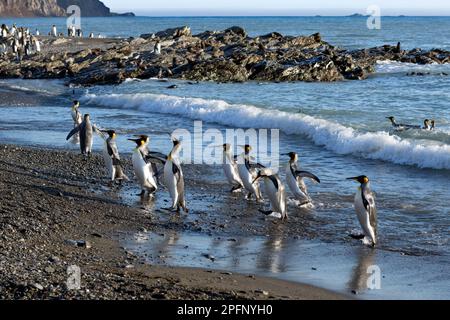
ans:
(289, 7)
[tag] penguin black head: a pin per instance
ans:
(76, 103)
(139, 141)
(360, 179)
(87, 116)
(176, 142)
(111, 133)
(426, 122)
(226, 147)
(247, 148)
(143, 137)
(292, 156)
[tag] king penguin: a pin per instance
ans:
(248, 172)
(173, 178)
(85, 130)
(365, 208)
(77, 119)
(112, 157)
(230, 169)
(295, 179)
(275, 191)
(144, 169)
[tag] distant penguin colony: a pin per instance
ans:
(242, 173)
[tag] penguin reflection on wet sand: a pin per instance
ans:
(144, 166)
(248, 172)
(275, 191)
(174, 179)
(85, 130)
(112, 157)
(365, 209)
(295, 179)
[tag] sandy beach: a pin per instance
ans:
(51, 197)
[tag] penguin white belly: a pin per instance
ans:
(247, 179)
(232, 174)
(294, 187)
(108, 163)
(363, 216)
(171, 182)
(143, 172)
(273, 195)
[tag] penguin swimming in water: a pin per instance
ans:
(230, 169)
(248, 173)
(77, 119)
(112, 157)
(275, 191)
(401, 127)
(144, 169)
(174, 179)
(295, 179)
(85, 130)
(365, 209)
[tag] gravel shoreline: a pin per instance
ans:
(51, 198)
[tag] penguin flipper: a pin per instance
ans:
(357, 236)
(71, 133)
(306, 174)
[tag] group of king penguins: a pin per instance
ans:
(242, 172)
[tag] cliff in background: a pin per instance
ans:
(30, 8)
(54, 8)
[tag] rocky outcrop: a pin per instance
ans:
(54, 8)
(30, 8)
(221, 56)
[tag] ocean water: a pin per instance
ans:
(339, 129)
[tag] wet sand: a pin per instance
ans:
(49, 198)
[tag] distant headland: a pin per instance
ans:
(55, 8)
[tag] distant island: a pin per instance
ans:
(55, 8)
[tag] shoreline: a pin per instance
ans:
(48, 208)
(218, 56)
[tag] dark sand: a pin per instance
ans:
(49, 197)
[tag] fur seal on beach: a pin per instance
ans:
(85, 129)
(248, 172)
(230, 169)
(295, 179)
(365, 208)
(112, 157)
(275, 191)
(174, 179)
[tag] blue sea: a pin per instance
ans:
(339, 130)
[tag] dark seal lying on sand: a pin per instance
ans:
(223, 56)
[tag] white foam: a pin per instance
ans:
(333, 136)
(389, 66)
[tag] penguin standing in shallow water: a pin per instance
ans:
(77, 120)
(248, 172)
(143, 167)
(295, 179)
(112, 158)
(174, 179)
(365, 209)
(230, 169)
(275, 191)
(85, 130)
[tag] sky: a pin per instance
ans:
(279, 7)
